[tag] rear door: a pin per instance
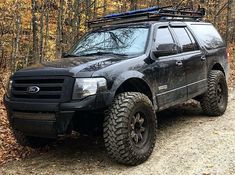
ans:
(169, 72)
(194, 61)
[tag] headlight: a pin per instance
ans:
(9, 87)
(84, 87)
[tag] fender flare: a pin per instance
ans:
(123, 78)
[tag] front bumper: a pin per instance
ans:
(50, 120)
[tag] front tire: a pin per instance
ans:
(130, 128)
(214, 101)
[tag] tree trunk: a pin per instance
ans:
(95, 9)
(134, 4)
(229, 21)
(104, 7)
(35, 31)
(41, 50)
(124, 6)
(47, 29)
(16, 41)
(87, 12)
(27, 59)
(59, 30)
(217, 7)
(76, 20)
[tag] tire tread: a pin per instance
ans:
(116, 131)
(209, 99)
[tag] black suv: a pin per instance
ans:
(120, 74)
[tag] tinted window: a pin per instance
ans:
(192, 40)
(208, 36)
(164, 36)
(184, 39)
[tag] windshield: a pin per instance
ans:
(120, 41)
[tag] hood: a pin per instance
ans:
(73, 66)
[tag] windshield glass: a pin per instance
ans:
(121, 41)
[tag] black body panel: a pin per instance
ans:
(196, 78)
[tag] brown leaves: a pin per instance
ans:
(9, 149)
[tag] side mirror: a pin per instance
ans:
(165, 50)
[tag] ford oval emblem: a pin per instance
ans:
(33, 89)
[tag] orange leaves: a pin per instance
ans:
(9, 149)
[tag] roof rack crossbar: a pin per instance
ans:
(136, 12)
(153, 13)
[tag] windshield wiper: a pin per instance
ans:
(66, 55)
(103, 53)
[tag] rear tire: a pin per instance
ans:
(33, 142)
(214, 101)
(130, 128)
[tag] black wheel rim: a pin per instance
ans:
(139, 129)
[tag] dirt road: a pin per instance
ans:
(188, 143)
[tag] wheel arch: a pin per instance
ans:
(135, 84)
(218, 66)
(132, 81)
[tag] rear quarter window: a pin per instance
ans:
(208, 36)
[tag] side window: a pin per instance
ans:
(208, 36)
(196, 47)
(164, 36)
(184, 39)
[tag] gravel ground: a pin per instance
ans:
(188, 143)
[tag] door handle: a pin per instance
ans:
(179, 63)
(203, 58)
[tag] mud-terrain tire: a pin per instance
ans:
(33, 142)
(214, 101)
(130, 128)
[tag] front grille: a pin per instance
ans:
(51, 88)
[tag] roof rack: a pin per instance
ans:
(150, 14)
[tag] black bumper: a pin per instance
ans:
(50, 120)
